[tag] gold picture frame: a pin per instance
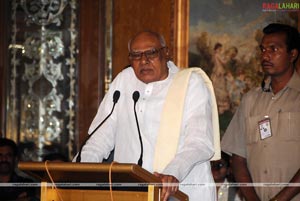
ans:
(181, 32)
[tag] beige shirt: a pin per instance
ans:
(275, 159)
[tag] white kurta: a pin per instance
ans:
(191, 164)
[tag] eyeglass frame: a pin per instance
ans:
(157, 50)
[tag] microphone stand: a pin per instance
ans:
(116, 97)
(135, 97)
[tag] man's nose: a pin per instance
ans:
(265, 56)
(144, 58)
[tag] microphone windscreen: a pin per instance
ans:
(136, 96)
(116, 96)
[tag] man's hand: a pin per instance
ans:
(170, 185)
(242, 175)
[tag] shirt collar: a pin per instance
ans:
(172, 67)
(293, 83)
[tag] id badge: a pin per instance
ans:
(265, 128)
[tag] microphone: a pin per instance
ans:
(116, 97)
(135, 97)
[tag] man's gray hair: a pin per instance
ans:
(157, 35)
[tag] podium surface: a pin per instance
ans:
(90, 181)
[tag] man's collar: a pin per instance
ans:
(293, 83)
(172, 67)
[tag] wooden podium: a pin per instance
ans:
(90, 181)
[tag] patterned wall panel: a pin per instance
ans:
(43, 66)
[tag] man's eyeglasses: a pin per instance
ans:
(149, 54)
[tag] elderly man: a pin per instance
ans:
(145, 84)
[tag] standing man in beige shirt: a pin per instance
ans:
(264, 134)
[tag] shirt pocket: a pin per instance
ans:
(289, 126)
(252, 130)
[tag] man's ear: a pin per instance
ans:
(294, 54)
(129, 61)
(167, 52)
